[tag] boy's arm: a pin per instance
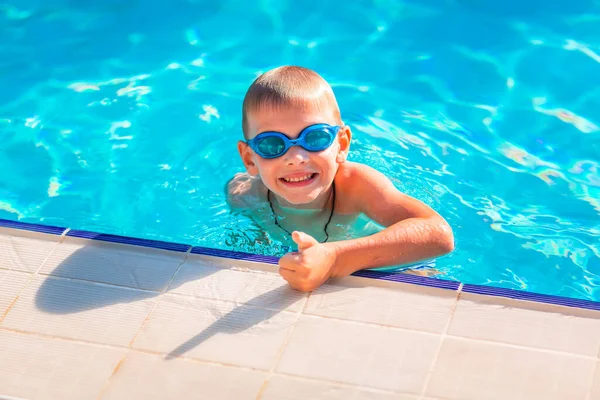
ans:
(413, 232)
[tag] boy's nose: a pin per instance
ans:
(296, 155)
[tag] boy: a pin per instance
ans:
(295, 152)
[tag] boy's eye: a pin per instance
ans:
(271, 145)
(318, 139)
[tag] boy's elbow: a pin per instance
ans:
(445, 238)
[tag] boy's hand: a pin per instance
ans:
(310, 267)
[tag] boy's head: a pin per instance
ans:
(282, 104)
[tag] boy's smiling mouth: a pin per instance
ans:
(299, 179)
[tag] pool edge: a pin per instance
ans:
(371, 274)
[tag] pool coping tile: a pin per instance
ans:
(272, 260)
(530, 296)
(26, 226)
(407, 278)
(156, 244)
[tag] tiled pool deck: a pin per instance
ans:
(85, 317)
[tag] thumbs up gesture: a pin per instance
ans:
(310, 266)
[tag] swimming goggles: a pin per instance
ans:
(316, 137)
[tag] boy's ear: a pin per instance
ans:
(246, 155)
(344, 139)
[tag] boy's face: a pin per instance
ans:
(296, 163)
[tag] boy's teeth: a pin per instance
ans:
(300, 179)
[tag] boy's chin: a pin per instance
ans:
(297, 199)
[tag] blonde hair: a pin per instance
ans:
(288, 86)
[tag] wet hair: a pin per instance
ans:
(288, 86)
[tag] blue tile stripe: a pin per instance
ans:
(406, 278)
(129, 240)
(388, 276)
(51, 230)
(529, 296)
(236, 255)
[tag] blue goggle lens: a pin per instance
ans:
(316, 140)
(271, 146)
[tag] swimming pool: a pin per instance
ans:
(123, 119)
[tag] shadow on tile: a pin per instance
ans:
(100, 280)
(117, 287)
(239, 319)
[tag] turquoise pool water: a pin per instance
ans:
(122, 117)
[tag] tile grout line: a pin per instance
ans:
(123, 348)
(594, 373)
(522, 347)
(174, 294)
(439, 349)
(31, 278)
(66, 230)
(485, 341)
(160, 295)
(64, 235)
(268, 308)
(185, 258)
(112, 285)
(130, 346)
(281, 349)
(62, 338)
(60, 241)
(347, 385)
(370, 323)
(288, 337)
(15, 299)
(195, 360)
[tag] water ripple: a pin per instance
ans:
(485, 111)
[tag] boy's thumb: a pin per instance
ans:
(303, 240)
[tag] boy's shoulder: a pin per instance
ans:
(352, 173)
(356, 183)
(244, 191)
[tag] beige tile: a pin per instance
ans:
(214, 330)
(472, 370)
(238, 264)
(146, 376)
(113, 263)
(359, 354)
(527, 323)
(386, 303)
(197, 277)
(37, 368)
(596, 385)
(282, 387)
(80, 310)
(11, 284)
(29, 234)
(25, 251)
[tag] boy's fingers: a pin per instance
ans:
(288, 261)
(287, 274)
(303, 240)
